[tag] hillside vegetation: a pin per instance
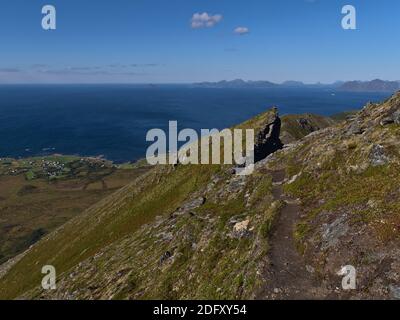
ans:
(203, 232)
(347, 178)
(296, 127)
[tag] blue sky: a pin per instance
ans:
(142, 41)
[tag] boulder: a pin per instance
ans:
(354, 129)
(395, 292)
(377, 155)
(331, 233)
(241, 229)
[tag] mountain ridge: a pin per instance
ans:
(376, 85)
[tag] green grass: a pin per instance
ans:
(291, 125)
(82, 238)
(343, 115)
(350, 192)
(30, 175)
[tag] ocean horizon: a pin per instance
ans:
(111, 120)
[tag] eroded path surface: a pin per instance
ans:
(287, 276)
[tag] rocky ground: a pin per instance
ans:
(347, 180)
(288, 275)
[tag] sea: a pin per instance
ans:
(112, 120)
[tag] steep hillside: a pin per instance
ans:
(202, 225)
(296, 127)
(328, 200)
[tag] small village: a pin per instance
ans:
(54, 167)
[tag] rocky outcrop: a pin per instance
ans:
(268, 140)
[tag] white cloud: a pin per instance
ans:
(241, 31)
(204, 20)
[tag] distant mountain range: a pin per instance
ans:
(366, 86)
(239, 83)
(374, 85)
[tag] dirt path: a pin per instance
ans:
(287, 276)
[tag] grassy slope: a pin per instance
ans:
(205, 262)
(108, 221)
(159, 192)
(337, 168)
(293, 131)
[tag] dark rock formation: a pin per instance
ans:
(354, 129)
(267, 140)
(306, 125)
(392, 118)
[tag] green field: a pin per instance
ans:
(39, 194)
